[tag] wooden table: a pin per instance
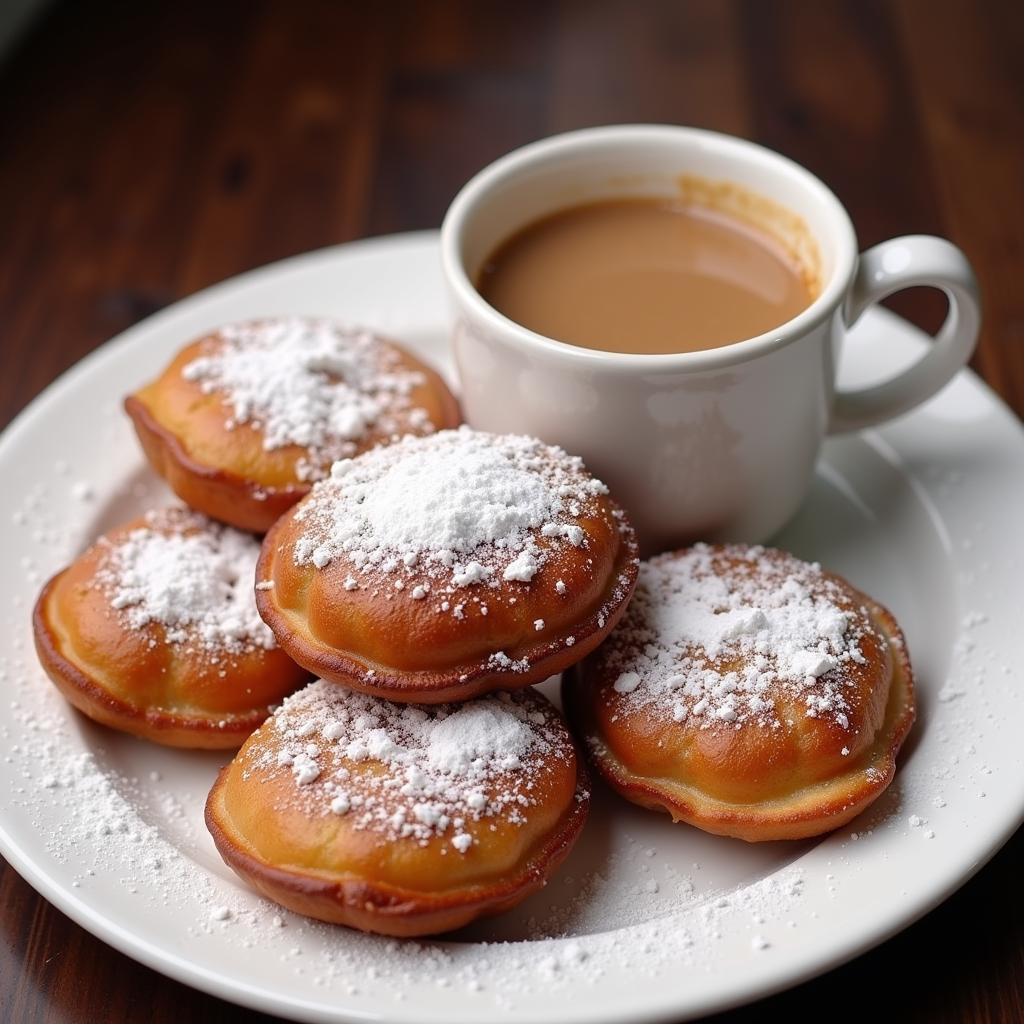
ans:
(147, 150)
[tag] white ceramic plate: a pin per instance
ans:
(646, 920)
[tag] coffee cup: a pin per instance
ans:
(713, 444)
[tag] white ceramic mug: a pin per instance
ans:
(713, 444)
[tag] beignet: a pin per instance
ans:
(243, 420)
(442, 567)
(748, 693)
(397, 818)
(154, 631)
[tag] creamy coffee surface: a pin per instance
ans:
(644, 276)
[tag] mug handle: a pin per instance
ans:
(887, 268)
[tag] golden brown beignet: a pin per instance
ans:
(243, 420)
(154, 631)
(443, 567)
(397, 818)
(748, 693)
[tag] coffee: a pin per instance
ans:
(645, 276)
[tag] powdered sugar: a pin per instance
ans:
(461, 507)
(190, 575)
(722, 637)
(411, 772)
(308, 382)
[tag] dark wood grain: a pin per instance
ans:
(147, 150)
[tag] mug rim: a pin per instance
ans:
(476, 190)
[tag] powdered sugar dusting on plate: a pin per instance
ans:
(310, 382)
(190, 575)
(458, 512)
(131, 843)
(722, 635)
(404, 771)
